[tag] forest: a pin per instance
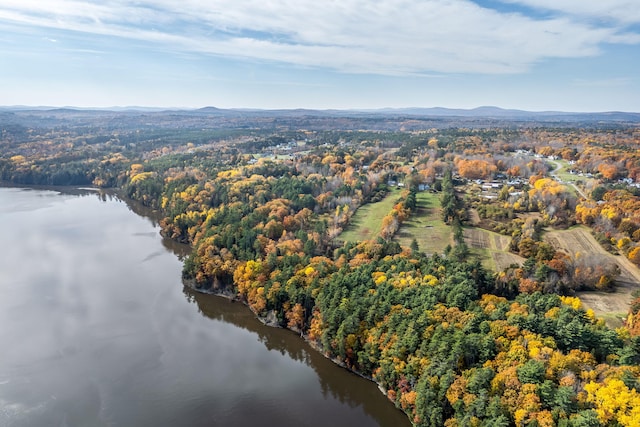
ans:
(451, 339)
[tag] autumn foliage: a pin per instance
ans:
(475, 168)
(450, 342)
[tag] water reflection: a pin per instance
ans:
(335, 382)
(154, 216)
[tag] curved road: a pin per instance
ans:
(554, 176)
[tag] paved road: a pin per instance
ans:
(554, 176)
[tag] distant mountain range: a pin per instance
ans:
(496, 112)
(487, 113)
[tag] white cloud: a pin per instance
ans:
(624, 11)
(392, 37)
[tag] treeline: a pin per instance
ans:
(454, 214)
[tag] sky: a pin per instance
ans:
(538, 55)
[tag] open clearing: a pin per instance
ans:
(562, 174)
(366, 223)
(426, 225)
(492, 248)
(612, 306)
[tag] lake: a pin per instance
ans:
(98, 330)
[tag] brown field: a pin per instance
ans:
(476, 238)
(527, 215)
(492, 248)
(612, 306)
(577, 240)
(505, 259)
(474, 217)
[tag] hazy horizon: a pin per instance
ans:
(142, 108)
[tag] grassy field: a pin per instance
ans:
(571, 180)
(426, 225)
(366, 223)
(563, 171)
(491, 248)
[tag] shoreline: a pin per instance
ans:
(268, 321)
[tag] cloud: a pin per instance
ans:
(623, 11)
(389, 37)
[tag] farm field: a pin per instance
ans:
(492, 248)
(426, 226)
(366, 223)
(612, 306)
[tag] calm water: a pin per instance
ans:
(97, 330)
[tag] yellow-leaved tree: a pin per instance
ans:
(615, 402)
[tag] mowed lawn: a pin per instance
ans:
(426, 225)
(366, 223)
